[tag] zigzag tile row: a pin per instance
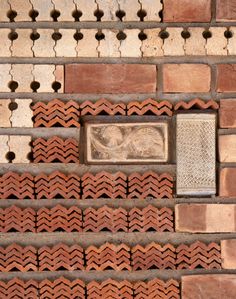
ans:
(66, 114)
(55, 149)
(77, 289)
(73, 219)
(56, 113)
(110, 256)
(100, 185)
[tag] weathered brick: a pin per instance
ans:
(226, 78)
(110, 78)
(227, 148)
(228, 254)
(228, 113)
(225, 10)
(186, 78)
(205, 218)
(214, 286)
(187, 11)
(227, 182)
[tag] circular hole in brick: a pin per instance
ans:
(185, 34)
(99, 14)
(10, 156)
(121, 35)
(207, 34)
(13, 85)
(228, 34)
(56, 36)
(11, 15)
(13, 35)
(142, 36)
(13, 106)
(120, 14)
(33, 14)
(56, 86)
(55, 14)
(34, 86)
(78, 36)
(34, 35)
(164, 34)
(141, 14)
(99, 36)
(77, 14)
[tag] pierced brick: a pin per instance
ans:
(174, 44)
(5, 42)
(88, 45)
(44, 45)
(22, 46)
(131, 45)
(152, 46)
(44, 9)
(23, 81)
(130, 8)
(65, 8)
(152, 9)
(217, 43)
(22, 116)
(22, 8)
(109, 45)
(87, 8)
(5, 77)
(195, 44)
(5, 113)
(66, 46)
(21, 152)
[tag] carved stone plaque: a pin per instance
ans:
(127, 142)
(195, 152)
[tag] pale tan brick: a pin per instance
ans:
(87, 8)
(5, 77)
(217, 44)
(66, 46)
(87, 46)
(44, 8)
(228, 254)
(22, 116)
(196, 44)
(174, 44)
(152, 46)
(152, 8)
(131, 46)
(44, 45)
(5, 113)
(66, 8)
(22, 74)
(232, 42)
(131, 8)
(109, 46)
(5, 43)
(5, 7)
(4, 148)
(44, 74)
(21, 152)
(227, 148)
(59, 76)
(22, 46)
(109, 9)
(22, 7)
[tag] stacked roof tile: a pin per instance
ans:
(102, 107)
(150, 107)
(17, 288)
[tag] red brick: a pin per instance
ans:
(228, 113)
(186, 78)
(228, 254)
(226, 78)
(205, 218)
(187, 10)
(206, 286)
(225, 10)
(110, 78)
(227, 182)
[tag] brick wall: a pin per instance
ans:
(117, 149)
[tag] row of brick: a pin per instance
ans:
(73, 219)
(100, 185)
(116, 10)
(112, 257)
(171, 41)
(122, 78)
(78, 289)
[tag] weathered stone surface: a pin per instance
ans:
(127, 142)
(110, 78)
(215, 286)
(227, 148)
(228, 254)
(195, 152)
(228, 113)
(225, 10)
(227, 182)
(205, 218)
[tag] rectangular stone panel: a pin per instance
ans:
(127, 142)
(195, 154)
(209, 286)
